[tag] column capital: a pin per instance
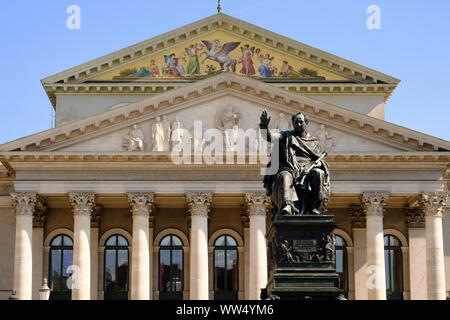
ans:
(25, 203)
(96, 216)
(357, 217)
(141, 203)
(257, 203)
(433, 203)
(415, 218)
(82, 203)
(373, 203)
(199, 203)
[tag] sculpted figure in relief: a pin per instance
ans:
(326, 141)
(134, 140)
(166, 128)
(158, 135)
(282, 124)
(228, 122)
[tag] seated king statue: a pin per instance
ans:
(298, 179)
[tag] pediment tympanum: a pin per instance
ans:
(216, 53)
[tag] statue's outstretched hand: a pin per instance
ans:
(265, 120)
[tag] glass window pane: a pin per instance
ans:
(57, 241)
(386, 241)
(67, 242)
(55, 270)
(165, 241)
(164, 270)
(232, 270)
(220, 242)
(110, 270)
(112, 241)
(231, 242)
(177, 270)
(67, 262)
(219, 270)
(340, 242)
(122, 270)
(122, 241)
(176, 242)
(339, 261)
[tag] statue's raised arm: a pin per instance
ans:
(264, 124)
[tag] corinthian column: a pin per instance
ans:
(82, 206)
(433, 205)
(25, 205)
(141, 206)
(373, 206)
(198, 208)
(257, 204)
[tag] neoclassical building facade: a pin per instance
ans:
(110, 204)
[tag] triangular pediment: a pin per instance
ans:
(205, 100)
(147, 62)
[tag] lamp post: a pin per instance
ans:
(13, 296)
(44, 291)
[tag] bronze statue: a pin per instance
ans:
(301, 185)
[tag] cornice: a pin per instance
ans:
(228, 83)
(229, 24)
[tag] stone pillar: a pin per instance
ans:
(95, 225)
(358, 219)
(39, 219)
(150, 246)
(433, 205)
(417, 252)
(25, 206)
(198, 208)
(141, 206)
(246, 263)
(257, 205)
(373, 206)
(82, 205)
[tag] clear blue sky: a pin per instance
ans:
(413, 45)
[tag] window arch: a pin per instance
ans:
(116, 268)
(393, 260)
(60, 261)
(226, 270)
(342, 263)
(171, 265)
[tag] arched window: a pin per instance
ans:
(394, 267)
(225, 268)
(116, 268)
(342, 264)
(171, 268)
(60, 261)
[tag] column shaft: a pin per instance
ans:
(258, 256)
(433, 205)
(81, 278)
(199, 258)
(257, 205)
(82, 204)
(199, 208)
(140, 265)
(25, 204)
(141, 205)
(373, 204)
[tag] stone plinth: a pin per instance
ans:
(302, 260)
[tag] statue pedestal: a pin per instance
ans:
(301, 259)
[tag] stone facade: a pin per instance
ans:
(386, 180)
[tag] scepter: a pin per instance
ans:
(315, 164)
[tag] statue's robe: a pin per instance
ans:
(295, 155)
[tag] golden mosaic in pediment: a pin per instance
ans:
(216, 53)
